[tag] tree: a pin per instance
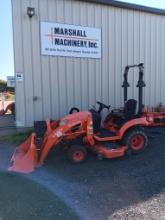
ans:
(3, 86)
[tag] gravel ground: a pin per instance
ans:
(127, 188)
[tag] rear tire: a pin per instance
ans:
(77, 153)
(136, 141)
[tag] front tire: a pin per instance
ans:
(77, 153)
(136, 141)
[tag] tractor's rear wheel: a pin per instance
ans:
(136, 141)
(77, 153)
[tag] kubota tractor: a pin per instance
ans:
(122, 131)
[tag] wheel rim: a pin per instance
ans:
(78, 156)
(137, 142)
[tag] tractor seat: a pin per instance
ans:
(120, 117)
(129, 110)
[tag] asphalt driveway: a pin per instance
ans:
(22, 199)
(126, 188)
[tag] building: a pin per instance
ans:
(73, 52)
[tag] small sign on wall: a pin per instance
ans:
(70, 40)
(19, 77)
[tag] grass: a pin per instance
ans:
(15, 138)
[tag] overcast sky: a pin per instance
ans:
(6, 42)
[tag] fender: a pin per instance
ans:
(132, 123)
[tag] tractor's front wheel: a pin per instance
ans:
(77, 153)
(136, 141)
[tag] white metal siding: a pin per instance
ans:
(128, 37)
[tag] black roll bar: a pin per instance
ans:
(140, 84)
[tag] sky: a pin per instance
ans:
(151, 3)
(6, 40)
(6, 36)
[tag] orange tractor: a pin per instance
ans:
(121, 132)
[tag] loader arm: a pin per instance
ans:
(27, 157)
(50, 142)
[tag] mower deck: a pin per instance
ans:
(110, 152)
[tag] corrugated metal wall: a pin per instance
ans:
(128, 37)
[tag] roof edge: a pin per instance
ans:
(127, 5)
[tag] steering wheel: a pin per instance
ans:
(102, 106)
(74, 109)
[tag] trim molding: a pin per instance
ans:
(126, 5)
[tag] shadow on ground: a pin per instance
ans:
(22, 199)
(107, 186)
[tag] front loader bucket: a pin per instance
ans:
(24, 160)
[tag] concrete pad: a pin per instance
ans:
(7, 121)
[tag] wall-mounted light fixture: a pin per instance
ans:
(30, 12)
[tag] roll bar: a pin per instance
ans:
(140, 84)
